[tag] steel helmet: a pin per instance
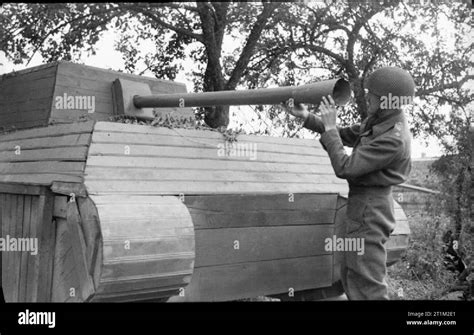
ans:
(392, 81)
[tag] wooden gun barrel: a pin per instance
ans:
(309, 93)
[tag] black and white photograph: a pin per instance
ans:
(305, 158)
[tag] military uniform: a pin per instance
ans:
(380, 158)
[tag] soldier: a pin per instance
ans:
(380, 158)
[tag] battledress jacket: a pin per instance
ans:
(380, 156)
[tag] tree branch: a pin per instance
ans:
(250, 45)
(352, 38)
(180, 6)
(54, 30)
(443, 87)
(156, 19)
(317, 48)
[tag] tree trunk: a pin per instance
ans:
(214, 20)
(359, 94)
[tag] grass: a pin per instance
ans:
(421, 273)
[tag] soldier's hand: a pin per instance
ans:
(328, 113)
(297, 110)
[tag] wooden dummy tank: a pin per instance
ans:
(127, 212)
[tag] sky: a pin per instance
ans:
(107, 57)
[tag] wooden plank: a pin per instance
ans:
(16, 263)
(121, 231)
(150, 295)
(101, 91)
(90, 224)
(71, 115)
(24, 105)
(401, 227)
(207, 165)
(209, 220)
(9, 228)
(33, 264)
(133, 286)
(318, 294)
(203, 134)
(86, 288)
(25, 255)
(46, 142)
(206, 187)
(417, 188)
(71, 280)
(172, 245)
(47, 241)
(49, 131)
(154, 221)
(43, 166)
(76, 70)
(21, 125)
(18, 104)
(77, 153)
(135, 199)
(61, 274)
(60, 207)
(41, 87)
(18, 122)
(74, 86)
(66, 188)
(36, 91)
(339, 231)
(397, 242)
(212, 219)
(147, 267)
(23, 111)
(97, 269)
(245, 280)
(33, 72)
(21, 189)
(103, 87)
(40, 179)
(23, 116)
(198, 142)
(249, 202)
(246, 210)
(124, 174)
(201, 153)
(218, 246)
